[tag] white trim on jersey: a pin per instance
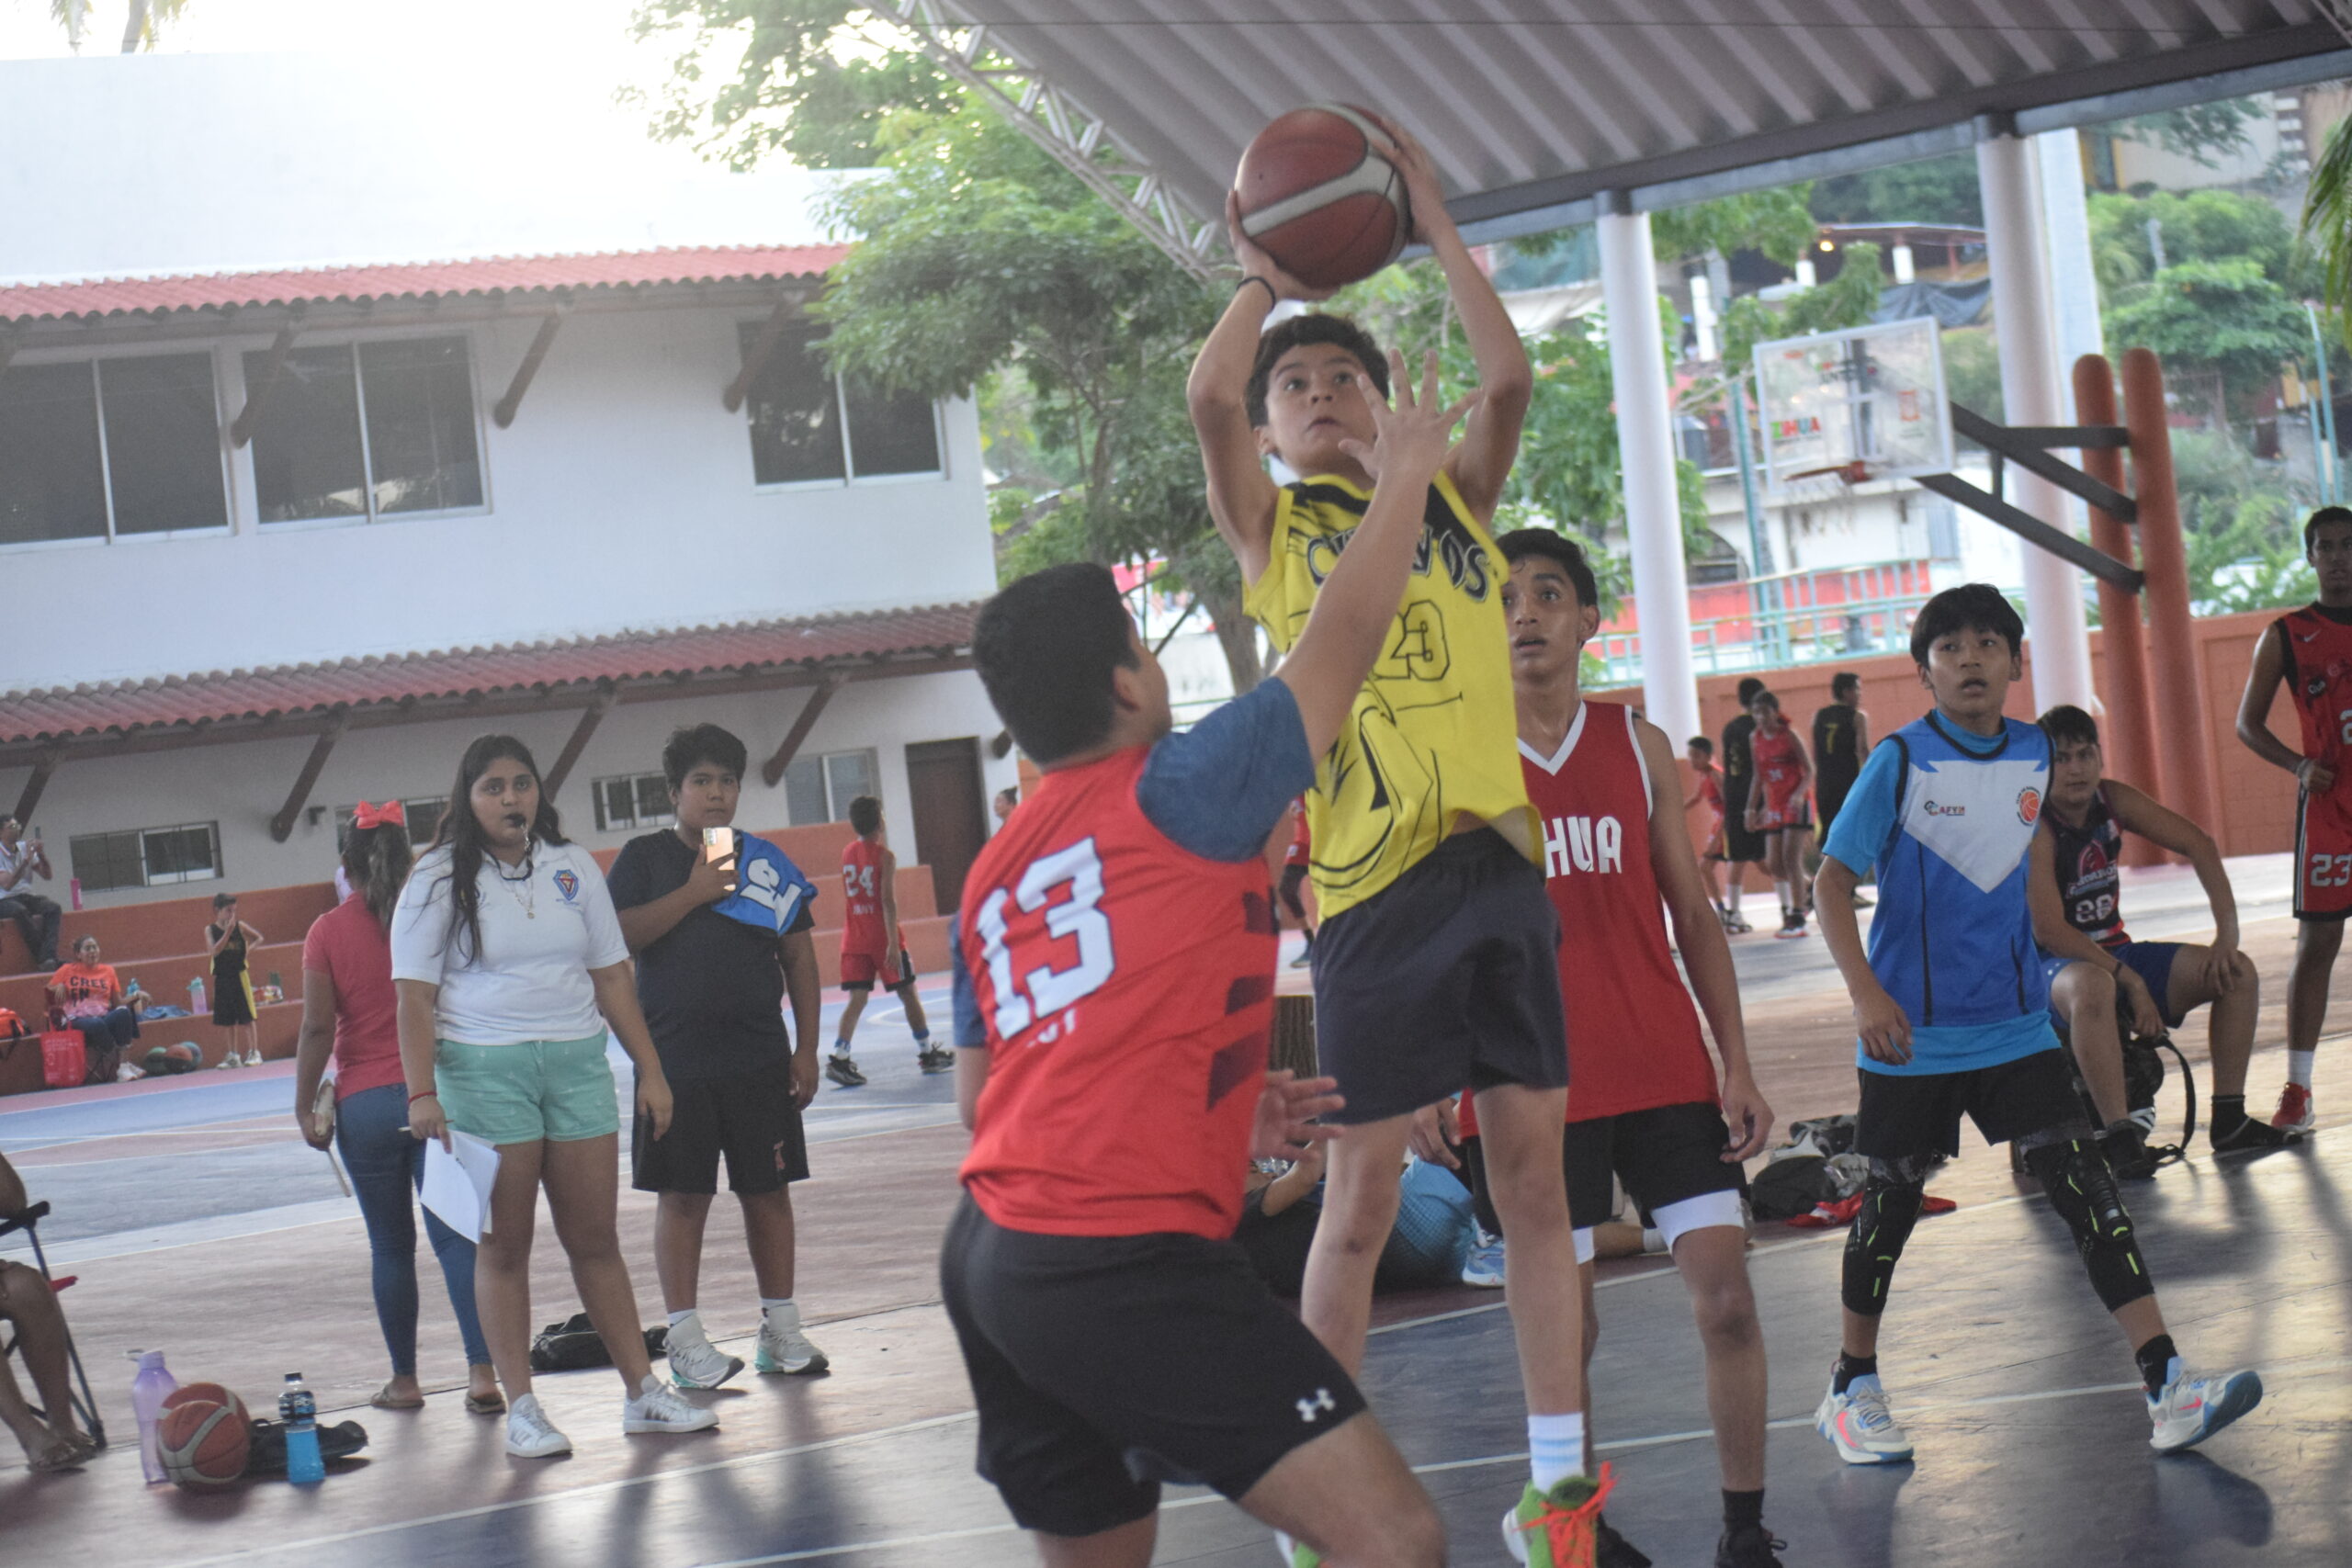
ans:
(1559, 760)
(1641, 759)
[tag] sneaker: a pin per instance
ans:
(2251, 1134)
(1484, 1267)
(696, 1362)
(2294, 1112)
(784, 1348)
(1858, 1424)
(529, 1432)
(1611, 1550)
(227, 1062)
(659, 1409)
(253, 1057)
(1861, 901)
(2191, 1410)
(1304, 959)
(1558, 1529)
(1791, 927)
(935, 1059)
(844, 1071)
(2126, 1149)
(1296, 1555)
(1748, 1546)
(1737, 924)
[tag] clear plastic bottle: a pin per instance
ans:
(148, 1388)
(298, 1408)
(196, 997)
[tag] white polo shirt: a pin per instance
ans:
(540, 936)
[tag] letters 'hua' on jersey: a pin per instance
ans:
(862, 929)
(1432, 737)
(1126, 987)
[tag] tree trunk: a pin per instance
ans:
(134, 27)
(1237, 634)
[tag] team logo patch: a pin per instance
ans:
(2029, 805)
(1937, 809)
(2092, 861)
(2316, 686)
(567, 883)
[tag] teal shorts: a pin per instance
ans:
(559, 1090)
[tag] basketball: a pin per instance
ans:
(1317, 196)
(205, 1437)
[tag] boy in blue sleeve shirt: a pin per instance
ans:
(1953, 1014)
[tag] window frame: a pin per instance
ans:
(836, 811)
(851, 478)
(636, 823)
(93, 357)
(147, 879)
(350, 342)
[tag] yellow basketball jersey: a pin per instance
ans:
(1432, 736)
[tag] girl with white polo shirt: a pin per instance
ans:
(510, 965)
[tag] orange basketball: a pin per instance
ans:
(205, 1436)
(1317, 196)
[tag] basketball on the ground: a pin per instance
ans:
(204, 1437)
(1317, 196)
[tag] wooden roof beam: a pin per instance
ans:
(505, 410)
(257, 398)
(281, 826)
(773, 769)
(598, 706)
(44, 769)
(763, 349)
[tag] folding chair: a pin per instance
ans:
(86, 1403)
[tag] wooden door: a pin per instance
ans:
(951, 811)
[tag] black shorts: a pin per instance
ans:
(750, 1118)
(1105, 1365)
(1740, 842)
(1445, 979)
(1828, 799)
(1663, 1156)
(1294, 878)
(1905, 1116)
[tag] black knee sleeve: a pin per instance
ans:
(2083, 1192)
(1882, 1225)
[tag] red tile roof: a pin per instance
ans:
(404, 280)
(120, 708)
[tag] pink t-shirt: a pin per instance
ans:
(347, 945)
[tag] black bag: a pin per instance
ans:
(1791, 1186)
(267, 1456)
(574, 1345)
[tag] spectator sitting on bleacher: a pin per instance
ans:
(88, 995)
(22, 859)
(30, 1306)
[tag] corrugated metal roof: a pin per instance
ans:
(414, 280)
(64, 713)
(1529, 104)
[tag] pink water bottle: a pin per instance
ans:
(196, 997)
(153, 1385)
(73, 891)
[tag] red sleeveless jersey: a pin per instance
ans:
(2319, 672)
(1127, 988)
(862, 929)
(1634, 1039)
(1779, 765)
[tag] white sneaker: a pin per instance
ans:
(784, 1348)
(253, 1057)
(1858, 1424)
(694, 1362)
(1484, 1267)
(529, 1432)
(658, 1409)
(2191, 1410)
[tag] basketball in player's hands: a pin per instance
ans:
(1315, 193)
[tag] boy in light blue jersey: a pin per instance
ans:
(1953, 1012)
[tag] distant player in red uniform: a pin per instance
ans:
(1779, 807)
(1294, 880)
(1643, 1107)
(2310, 652)
(1114, 1004)
(872, 945)
(1709, 794)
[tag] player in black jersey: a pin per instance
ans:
(2099, 977)
(1841, 738)
(1742, 844)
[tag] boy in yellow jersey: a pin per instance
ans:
(1434, 962)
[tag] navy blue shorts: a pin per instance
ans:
(2152, 960)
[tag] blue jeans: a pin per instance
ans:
(386, 1165)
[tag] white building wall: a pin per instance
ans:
(621, 499)
(241, 786)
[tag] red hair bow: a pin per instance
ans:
(367, 815)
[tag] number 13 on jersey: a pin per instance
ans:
(1077, 915)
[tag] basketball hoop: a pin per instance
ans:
(1852, 406)
(1848, 474)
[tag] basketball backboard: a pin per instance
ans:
(1867, 402)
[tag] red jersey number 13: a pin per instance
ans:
(1079, 916)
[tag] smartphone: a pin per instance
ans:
(718, 844)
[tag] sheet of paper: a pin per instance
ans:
(457, 1184)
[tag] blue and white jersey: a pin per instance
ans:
(1947, 817)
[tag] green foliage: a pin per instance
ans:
(818, 80)
(2205, 133)
(1776, 223)
(2196, 226)
(2222, 314)
(1848, 299)
(2241, 519)
(1934, 190)
(1973, 370)
(2328, 223)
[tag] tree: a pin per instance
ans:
(140, 22)
(2203, 133)
(2328, 223)
(2222, 314)
(2239, 518)
(1934, 190)
(2193, 226)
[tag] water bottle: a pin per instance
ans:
(148, 1391)
(196, 997)
(299, 1409)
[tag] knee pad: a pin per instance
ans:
(2083, 1190)
(1882, 1225)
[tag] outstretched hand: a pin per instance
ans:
(1425, 198)
(1287, 1107)
(1412, 439)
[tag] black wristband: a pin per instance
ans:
(1273, 299)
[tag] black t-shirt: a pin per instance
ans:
(712, 988)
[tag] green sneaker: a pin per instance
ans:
(1296, 1554)
(1556, 1529)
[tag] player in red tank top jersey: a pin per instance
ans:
(1644, 1106)
(1709, 794)
(2309, 653)
(1116, 946)
(872, 947)
(1780, 808)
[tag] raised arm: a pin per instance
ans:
(2253, 715)
(1356, 609)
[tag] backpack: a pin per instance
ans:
(574, 1346)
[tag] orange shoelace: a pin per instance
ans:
(1568, 1532)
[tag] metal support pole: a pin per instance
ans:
(1763, 598)
(1645, 447)
(2187, 764)
(2129, 732)
(2025, 330)
(2330, 475)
